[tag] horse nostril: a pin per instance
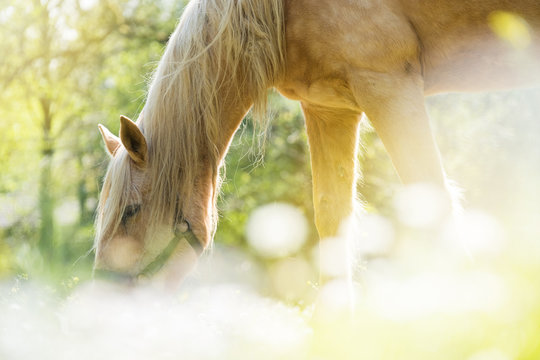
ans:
(183, 226)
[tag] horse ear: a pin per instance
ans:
(112, 142)
(133, 140)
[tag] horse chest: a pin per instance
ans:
(329, 92)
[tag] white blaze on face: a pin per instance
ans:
(276, 230)
(122, 253)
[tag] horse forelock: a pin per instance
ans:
(236, 45)
(118, 191)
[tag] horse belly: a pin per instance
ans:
(462, 49)
(483, 71)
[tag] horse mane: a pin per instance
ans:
(215, 42)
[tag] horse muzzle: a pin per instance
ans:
(182, 232)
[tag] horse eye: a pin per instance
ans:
(130, 211)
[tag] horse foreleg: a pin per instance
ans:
(396, 109)
(333, 137)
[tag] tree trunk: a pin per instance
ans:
(46, 198)
(82, 193)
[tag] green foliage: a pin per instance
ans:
(278, 173)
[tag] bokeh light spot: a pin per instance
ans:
(67, 213)
(510, 27)
(276, 230)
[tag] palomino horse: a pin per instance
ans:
(340, 59)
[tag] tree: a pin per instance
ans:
(61, 74)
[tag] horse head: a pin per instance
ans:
(137, 236)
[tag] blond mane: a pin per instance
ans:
(216, 42)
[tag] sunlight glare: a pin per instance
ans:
(421, 205)
(331, 256)
(291, 278)
(478, 232)
(373, 235)
(336, 298)
(437, 293)
(489, 354)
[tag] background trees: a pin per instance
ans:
(70, 64)
(67, 65)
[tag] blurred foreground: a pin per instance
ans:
(428, 297)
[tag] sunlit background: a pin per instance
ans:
(467, 292)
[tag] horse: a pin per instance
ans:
(341, 59)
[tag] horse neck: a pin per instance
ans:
(236, 106)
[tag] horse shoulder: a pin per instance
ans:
(333, 43)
